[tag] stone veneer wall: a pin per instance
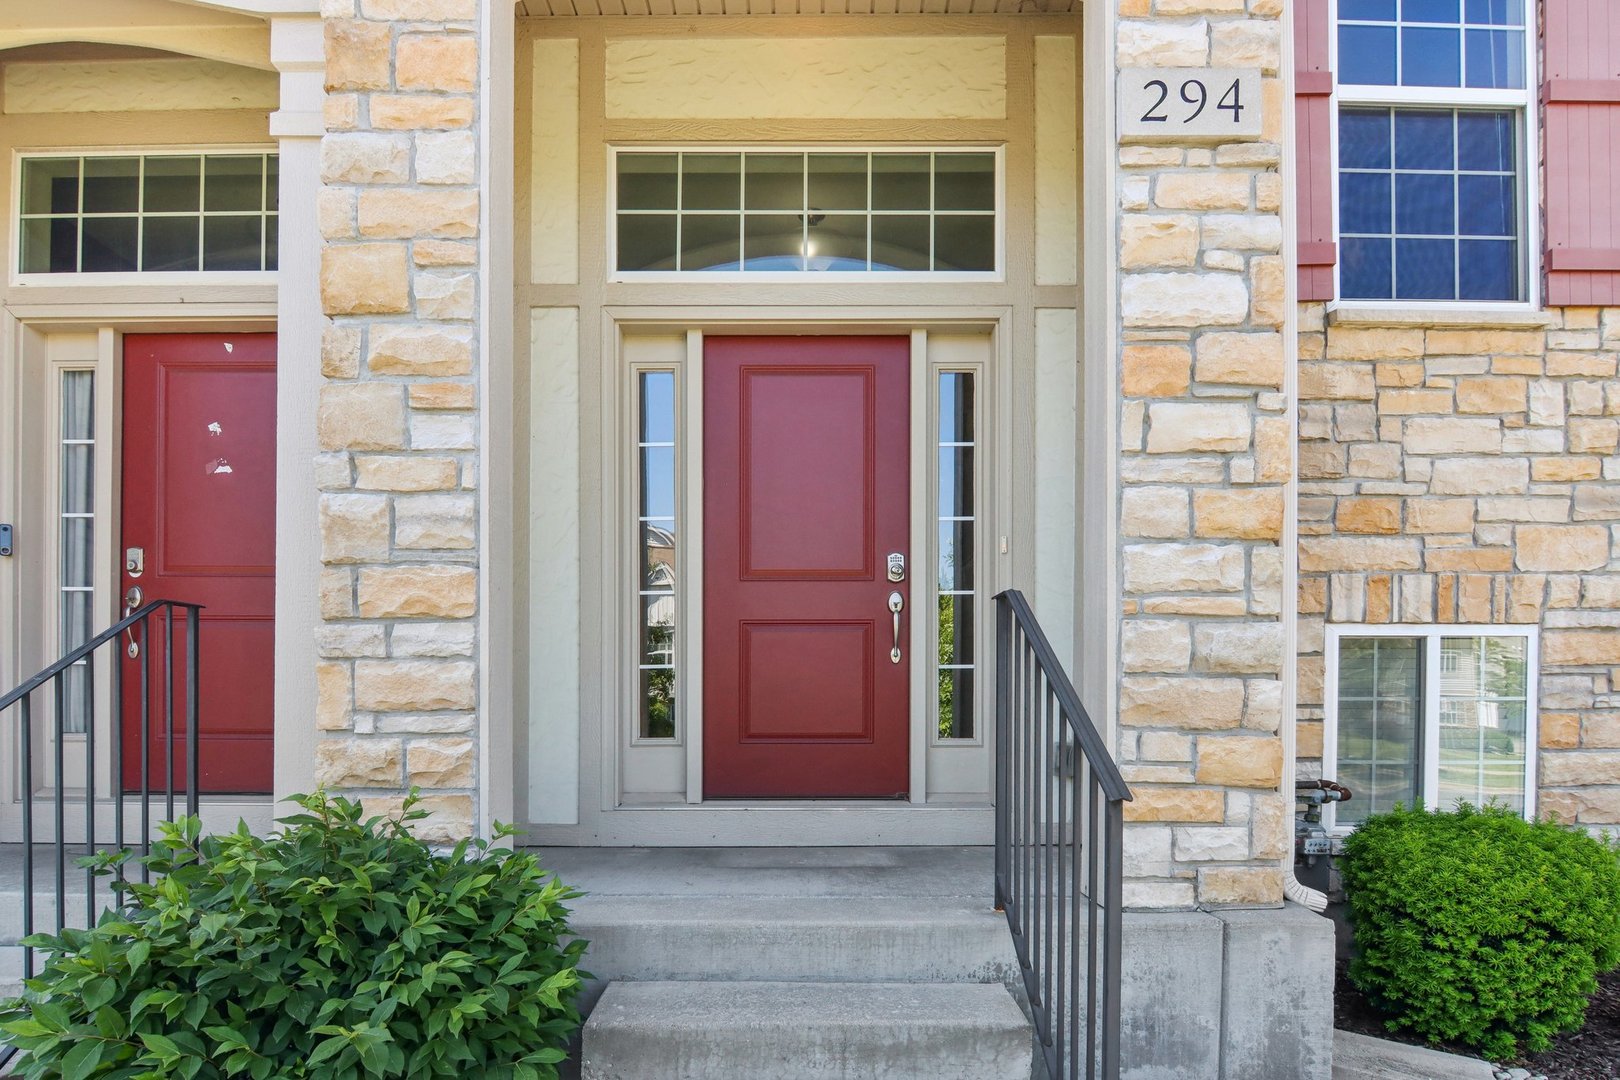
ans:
(1470, 476)
(399, 212)
(1204, 441)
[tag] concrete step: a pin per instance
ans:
(783, 939)
(806, 1031)
(1362, 1057)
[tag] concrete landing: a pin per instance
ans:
(806, 1031)
(1362, 1057)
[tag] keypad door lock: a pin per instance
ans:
(134, 561)
(897, 566)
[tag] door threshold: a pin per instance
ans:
(772, 823)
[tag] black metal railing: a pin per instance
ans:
(71, 792)
(1059, 839)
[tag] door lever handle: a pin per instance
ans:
(897, 604)
(132, 602)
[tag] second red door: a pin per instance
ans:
(806, 497)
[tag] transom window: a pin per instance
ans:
(826, 211)
(148, 213)
(1431, 715)
(1432, 146)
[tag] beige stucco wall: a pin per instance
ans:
(1468, 474)
(136, 86)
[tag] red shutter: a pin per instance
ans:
(1313, 120)
(1581, 92)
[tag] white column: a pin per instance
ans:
(298, 52)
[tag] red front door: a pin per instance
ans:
(199, 501)
(806, 493)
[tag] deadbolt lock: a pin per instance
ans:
(134, 561)
(897, 566)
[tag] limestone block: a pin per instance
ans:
(412, 473)
(1272, 439)
(1402, 375)
(340, 351)
(1265, 581)
(365, 158)
(1149, 240)
(449, 817)
(1241, 359)
(1147, 852)
(444, 62)
(1268, 279)
(1187, 704)
(1574, 648)
(1203, 191)
(336, 593)
(445, 296)
(1240, 760)
(354, 528)
(1140, 43)
(407, 349)
(364, 279)
(1366, 343)
(442, 395)
(440, 763)
(438, 431)
(448, 157)
(1241, 232)
(1176, 803)
(358, 762)
(1164, 746)
(1480, 476)
(1177, 427)
(436, 521)
(1452, 435)
(1190, 300)
(412, 590)
(401, 213)
(1155, 645)
(1156, 896)
(1337, 382)
(1155, 370)
(420, 10)
(1199, 7)
(1369, 514)
(333, 694)
(341, 112)
(1238, 648)
(1375, 461)
(1545, 510)
(1176, 470)
(1599, 365)
(361, 416)
(1561, 547)
(1593, 436)
(1486, 342)
(1155, 512)
(1239, 515)
(415, 685)
(1225, 886)
(1439, 515)
(1495, 394)
(349, 640)
(1601, 730)
(1580, 769)
(431, 639)
(1194, 843)
(1600, 591)
(1322, 554)
(1409, 402)
(420, 112)
(332, 472)
(334, 213)
(1546, 403)
(357, 55)
(1321, 461)
(1170, 568)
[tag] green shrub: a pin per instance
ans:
(339, 947)
(1478, 927)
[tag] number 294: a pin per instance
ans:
(1195, 94)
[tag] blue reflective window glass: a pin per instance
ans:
(1364, 203)
(1488, 270)
(1486, 206)
(1434, 11)
(1364, 138)
(1430, 57)
(1425, 204)
(1423, 139)
(1364, 269)
(1425, 269)
(1496, 59)
(1486, 142)
(1370, 10)
(1496, 12)
(1367, 55)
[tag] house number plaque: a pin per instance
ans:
(1179, 104)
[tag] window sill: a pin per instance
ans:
(1484, 318)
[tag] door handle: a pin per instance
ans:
(132, 602)
(897, 604)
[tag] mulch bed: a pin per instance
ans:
(1592, 1053)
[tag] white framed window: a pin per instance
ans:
(656, 392)
(106, 216)
(1436, 139)
(1432, 714)
(958, 438)
(805, 214)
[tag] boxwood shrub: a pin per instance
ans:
(1477, 927)
(338, 947)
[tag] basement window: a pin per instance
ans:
(753, 213)
(119, 214)
(1431, 715)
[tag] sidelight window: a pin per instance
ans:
(150, 213)
(1430, 715)
(867, 212)
(76, 523)
(956, 583)
(657, 562)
